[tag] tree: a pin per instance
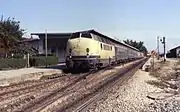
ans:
(21, 48)
(138, 45)
(10, 33)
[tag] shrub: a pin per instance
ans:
(12, 63)
(41, 60)
(19, 56)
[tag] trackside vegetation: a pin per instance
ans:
(12, 63)
(35, 61)
(41, 60)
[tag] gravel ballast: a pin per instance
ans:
(131, 96)
(145, 91)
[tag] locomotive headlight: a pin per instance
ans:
(87, 50)
(70, 50)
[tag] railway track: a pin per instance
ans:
(45, 100)
(29, 86)
(25, 84)
(119, 80)
(71, 98)
(43, 95)
(29, 93)
(73, 90)
(30, 90)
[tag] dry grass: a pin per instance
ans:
(157, 83)
(164, 72)
(177, 66)
(162, 84)
(178, 63)
(161, 74)
(155, 72)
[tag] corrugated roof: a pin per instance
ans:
(56, 34)
(90, 31)
(29, 39)
(100, 34)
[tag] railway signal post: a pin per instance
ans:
(163, 41)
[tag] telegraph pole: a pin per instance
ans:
(164, 42)
(158, 46)
(46, 46)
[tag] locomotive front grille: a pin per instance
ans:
(87, 57)
(90, 56)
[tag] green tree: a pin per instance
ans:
(10, 33)
(21, 48)
(138, 45)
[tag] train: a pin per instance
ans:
(91, 49)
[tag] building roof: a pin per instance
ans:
(90, 31)
(24, 40)
(52, 34)
(114, 40)
(29, 39)
(174, 48)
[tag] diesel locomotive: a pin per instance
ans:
(91, 49)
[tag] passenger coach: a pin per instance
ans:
(90, 49)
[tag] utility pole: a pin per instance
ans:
(46, 46)
(158, 46)
(164, 42)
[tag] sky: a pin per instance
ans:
(141, 20)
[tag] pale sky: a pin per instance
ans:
(134, 19)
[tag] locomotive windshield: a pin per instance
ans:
(82, 35)
(86, 35)
(75, 35)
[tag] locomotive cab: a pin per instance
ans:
(82, 51)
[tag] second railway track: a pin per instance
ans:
(14, 96)
(54, 96)
(98, 95)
